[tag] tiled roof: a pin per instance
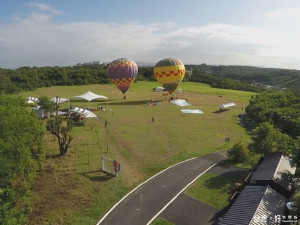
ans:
(266, 169)
(284, 172)
(255, 205)
(275, 166)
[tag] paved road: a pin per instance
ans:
(147, 201)
(188, 211)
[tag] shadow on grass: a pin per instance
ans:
(94, 176)
(237, 174)
(221, 111)
(227, 163)
(125, 102)
(85, 101)
(78, 124)
(233, 180)
(53, 156)
(220, 181)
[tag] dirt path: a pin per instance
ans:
(55, 189)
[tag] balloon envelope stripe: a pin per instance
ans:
(179, 72)
(169, 72)
(122, 83)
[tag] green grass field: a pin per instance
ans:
(213, 189)
(161, 221)
(141, 146)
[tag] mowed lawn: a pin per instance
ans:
(142, 147)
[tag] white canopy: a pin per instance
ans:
(179, 90)
(60, 100)
(86, 113)
(195, 111)
(28, 101)
(36, 107)
(89, 96)
(31, 100)
(60, 113)
(180, 102)
(227, 105)
(159, 89)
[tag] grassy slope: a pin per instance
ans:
(161, 221)
(142, 147)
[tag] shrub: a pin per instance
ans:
(239, 153)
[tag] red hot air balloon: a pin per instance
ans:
(122, 72)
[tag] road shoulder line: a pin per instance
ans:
(173, 199)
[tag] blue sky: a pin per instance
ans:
(261, 33)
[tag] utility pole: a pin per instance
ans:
(106, 124)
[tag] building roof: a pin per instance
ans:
(255, 205)
(275, 166)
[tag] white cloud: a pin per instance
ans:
(228, 44)
(224, 32)
(43, 7)
(284, 14)
(37, 40)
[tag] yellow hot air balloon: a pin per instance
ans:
(169, 72)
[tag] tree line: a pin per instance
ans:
(275, 119)
(30, 78)
(221, 82)
(280, 78)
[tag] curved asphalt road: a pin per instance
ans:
(147, 201)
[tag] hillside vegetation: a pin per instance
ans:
(281, 78)
(144, 139)
(142, 147)
(228, 77)
(21, 156)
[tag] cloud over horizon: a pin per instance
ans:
(37, 40)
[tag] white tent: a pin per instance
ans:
(195, 111)
(227, 105)
(36, 107)
(31, 100)
(86, 113)
(28, 101)
(60, 113)
(159, 89)
(89, 96)
(59, 100)
(90, 114)
(179, 90)
(180, 102)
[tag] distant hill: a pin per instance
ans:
(281, 78)
(227, 77)
(145, 64)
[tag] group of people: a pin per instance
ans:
(101, 108)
